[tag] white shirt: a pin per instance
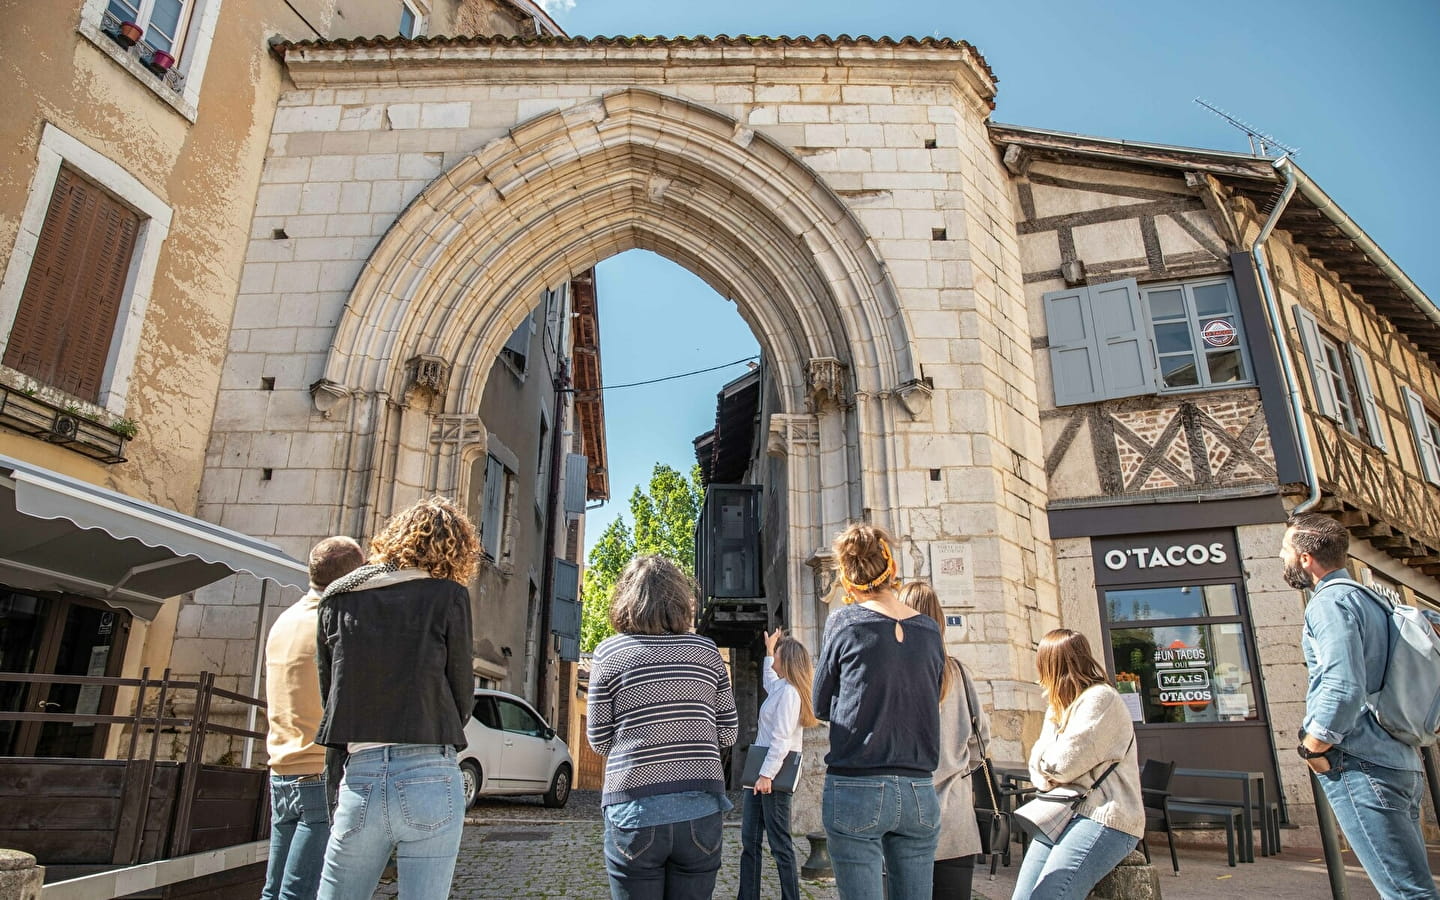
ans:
(779, 728)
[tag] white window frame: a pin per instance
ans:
(1198, 348)
(58, 148)
(198, 35)
(1330, 363)
(146, 12)
(421, 20)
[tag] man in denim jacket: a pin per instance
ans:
(1372, 780)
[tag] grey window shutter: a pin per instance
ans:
(576, 469)
(1122, 333)
(1074, 353)
(1310, 340)
(565, 613)
(1424, 441)
(518, 346)
(492, 506)
(1364, 387)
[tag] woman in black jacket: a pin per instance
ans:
(394, 652)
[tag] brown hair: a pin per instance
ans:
(432, 535)
(1067, 669)
(864, 558)
(653, 596)
(1322, 537)
(332, 558)
(921, 597)
(792, 663)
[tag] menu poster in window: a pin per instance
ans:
(1183, 675)
(952, 573)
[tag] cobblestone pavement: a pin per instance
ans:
(518, 848)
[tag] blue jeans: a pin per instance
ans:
(879, 826)
(678, 861)
(1072, 866)
(299, 828)
(767, 815)
(406, 798)
(1378, 808)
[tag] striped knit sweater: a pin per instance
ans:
(660, 708)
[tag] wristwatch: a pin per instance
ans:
(1309, 754)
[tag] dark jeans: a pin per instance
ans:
(767, 815)
(678, 861)
(954, 878)
(299, 828)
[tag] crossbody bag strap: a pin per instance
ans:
(972, 701)
(1106, 774)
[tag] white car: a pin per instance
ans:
(512, 751)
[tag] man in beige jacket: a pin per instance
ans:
(300, 821)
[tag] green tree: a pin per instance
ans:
(664, 517)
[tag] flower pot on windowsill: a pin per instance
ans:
(160, 63)
(129, 34)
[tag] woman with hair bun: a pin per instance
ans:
(878, 684)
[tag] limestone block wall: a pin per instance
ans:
(898, 136)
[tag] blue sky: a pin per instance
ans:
(1356, 86)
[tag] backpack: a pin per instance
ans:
(1407, 703)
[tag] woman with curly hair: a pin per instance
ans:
(879, 685)
(394, 652)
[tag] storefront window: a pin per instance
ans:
(1184, 673)
(1179, 602)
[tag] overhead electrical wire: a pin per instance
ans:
(616, 387)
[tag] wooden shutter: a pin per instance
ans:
(1425, 446)
(565, 613)
(518, 346)
(68, 310)
(1364, 387)
(492, 507)
(1099, 343)
(1325, 402)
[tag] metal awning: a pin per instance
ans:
(61, 534)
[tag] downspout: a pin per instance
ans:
(1277, 331)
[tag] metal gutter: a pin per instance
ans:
(1277, 333)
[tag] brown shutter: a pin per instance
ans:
(66, 321)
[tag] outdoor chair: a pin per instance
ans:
(1155, 790)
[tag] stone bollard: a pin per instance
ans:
(1132, 879)
(819, 864)
(20, 878)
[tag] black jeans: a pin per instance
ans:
(678, 861)
(954, 877)
(767, 815)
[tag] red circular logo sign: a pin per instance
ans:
(1219, 333)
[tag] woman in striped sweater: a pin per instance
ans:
(660, 708)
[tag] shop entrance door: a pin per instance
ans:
(58, 635)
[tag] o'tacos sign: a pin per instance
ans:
(1185, 556)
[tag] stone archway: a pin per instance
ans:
(632, 169)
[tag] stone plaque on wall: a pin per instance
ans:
(952, 573)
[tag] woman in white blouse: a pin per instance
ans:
(784, 715)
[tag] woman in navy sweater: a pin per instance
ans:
(878, 685)
(660, 708)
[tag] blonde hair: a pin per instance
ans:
(921, 597)
(864, 560)
(432, 535)
(1067, 669)
(653, 596)
(792, 663)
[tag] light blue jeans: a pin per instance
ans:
(1069, 868)
(879, 826)
(1378, 808)
(409, 798)
(299, 828)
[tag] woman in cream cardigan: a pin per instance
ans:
(1086, 729)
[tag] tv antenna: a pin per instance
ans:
(1261, 143)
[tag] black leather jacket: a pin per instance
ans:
(395, 664)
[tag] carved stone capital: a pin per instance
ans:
(915, 396)
(825, 383)
(430, 374)
(788, 432)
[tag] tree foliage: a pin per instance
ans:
(664, 524)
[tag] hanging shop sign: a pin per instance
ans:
(1175, 556)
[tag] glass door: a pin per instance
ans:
(62, 635)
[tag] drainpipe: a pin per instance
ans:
(1277, 330)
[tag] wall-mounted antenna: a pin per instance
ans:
(1261, 143)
